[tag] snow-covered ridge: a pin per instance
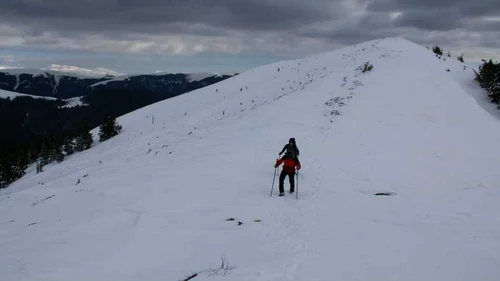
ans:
(96, 72)
(71, 102)
(8, 94)
(188, 181)
(192, 77)
(64, 85)
(46, 72)
(82, 73)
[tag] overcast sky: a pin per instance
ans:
(138, 36)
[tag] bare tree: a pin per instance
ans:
(222, 270)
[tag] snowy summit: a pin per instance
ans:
(164, 200)
(96, 72)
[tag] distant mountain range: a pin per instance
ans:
(64, 85)
(96, 72)
(35, 103)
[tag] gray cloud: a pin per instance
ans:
(491, 40)
(440, 19)
(154, 15)
(281, 28)
(465, 7)
(437, 15)
(483, 25)
(354, 29)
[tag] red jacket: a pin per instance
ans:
(290, 164)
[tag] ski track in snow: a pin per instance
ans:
(152, 203)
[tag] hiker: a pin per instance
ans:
(290, 164)
(291, 146)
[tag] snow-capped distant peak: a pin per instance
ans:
(98, 72)
(45, 72)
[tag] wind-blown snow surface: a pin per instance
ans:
(152, 203)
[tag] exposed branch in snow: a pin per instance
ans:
(190, 277)
(222, 270)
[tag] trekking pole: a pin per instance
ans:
(297, 193)
(274, 177)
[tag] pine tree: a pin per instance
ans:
(437, 50)
(39, 167)
(20, 163)
(13, 165)
(69, 146)
(5, 170)
(45, 152)
(109, 129)
(55, 150)
(84, 140)
(489, 79)
(51, 150)
(57, 154)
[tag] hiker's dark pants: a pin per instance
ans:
(291, 178)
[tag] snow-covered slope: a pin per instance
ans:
(152, 203)
(72, 102)
(8, 94)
